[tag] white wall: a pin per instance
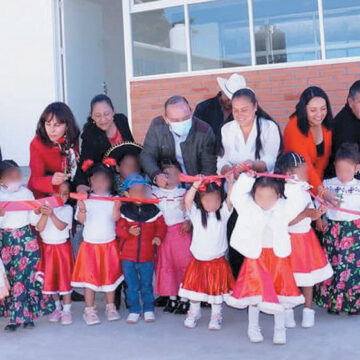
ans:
(27, 72)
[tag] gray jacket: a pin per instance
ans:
(198, 149)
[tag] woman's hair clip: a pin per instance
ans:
(109, 161)
(86, 165)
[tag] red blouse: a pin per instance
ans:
(295, 140)
(116, 139)
(44, 162)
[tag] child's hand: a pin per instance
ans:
(81, 205)
(134, 230)
(185, 227)
(156, 241)
(2, 211)
(4, 290)
(59, 177)
(46, 210)
(315, 214)
(37, 211)
(117, 205)
(230, 178)
(320, 225)
(197, 183)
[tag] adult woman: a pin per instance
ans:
(252, 138)
(103, 129)
(54, 150)
(308, 133)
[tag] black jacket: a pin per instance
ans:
(95, 143)
(198, 149)
(346, 130)
(211, 112)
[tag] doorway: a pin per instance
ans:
(93, 58)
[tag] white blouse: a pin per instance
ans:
(99, 226)
(237, 150)
(171, 204)
(51, 234)
(209, 243)
(17, 219)
(349, 194)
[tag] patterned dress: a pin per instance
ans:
(341, 293)
(20, 254)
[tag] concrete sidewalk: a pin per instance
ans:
(333, 338)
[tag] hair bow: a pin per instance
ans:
(109, 161)
(88, 163)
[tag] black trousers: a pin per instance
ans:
(235, 258)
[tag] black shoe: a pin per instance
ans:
(171, 306)
(333, 312)
(29, 325)
(118, 297)
(357, 312)
(161, 301)
(11, 327)
(205, 304)
(182, 308)
(76, 297)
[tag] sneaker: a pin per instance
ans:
(111, 312)
(149, 316)
(279, 336)
(308, 318)
(191, 319)
(289, 318)
(255, 335)
(90, 316)
(11, 327)
(182, 308)
(55, 316)
(171, 306)
(29, 325)
(215, 322)
(66, 318)
(133, 318)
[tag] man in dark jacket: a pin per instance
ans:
(181, 136)
(218, 110)
(347, 126)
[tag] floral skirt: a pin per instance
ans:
(342, 291)
(20, 254)
(173, 257)
(211, 281)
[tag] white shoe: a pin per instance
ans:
(133, 318)
(149, 316)
(308, 318)
(255, 335)
(215, 322)
(111, 313)
(279, 336)
(90, 316)
(289, 318)
(191, 319)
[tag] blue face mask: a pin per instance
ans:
(181, 128)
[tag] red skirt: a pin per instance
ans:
(308, 260)
(55, 268)
(98, 267)
(267, 282)
(173, 257)
(211, 281)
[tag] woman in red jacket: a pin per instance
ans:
(309, 132)
(54, 150)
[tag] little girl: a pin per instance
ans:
(341, 237)
(173, 254)
(97, 266)
(20, 253)
(57, 257)
(208, 277)
(308, 259)
(266, 280)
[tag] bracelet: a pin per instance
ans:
(322, 192)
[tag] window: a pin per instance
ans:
(172, 36)
(159, 42)
(219, 33)
(342, 28)
(286, 31)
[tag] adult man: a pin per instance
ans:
(217, 110)
(178, 135)
(347, 125)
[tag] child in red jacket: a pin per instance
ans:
(140, 227)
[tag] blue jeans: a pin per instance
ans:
(139, 278)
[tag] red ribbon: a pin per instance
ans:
(25, 205)
(83, 196)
